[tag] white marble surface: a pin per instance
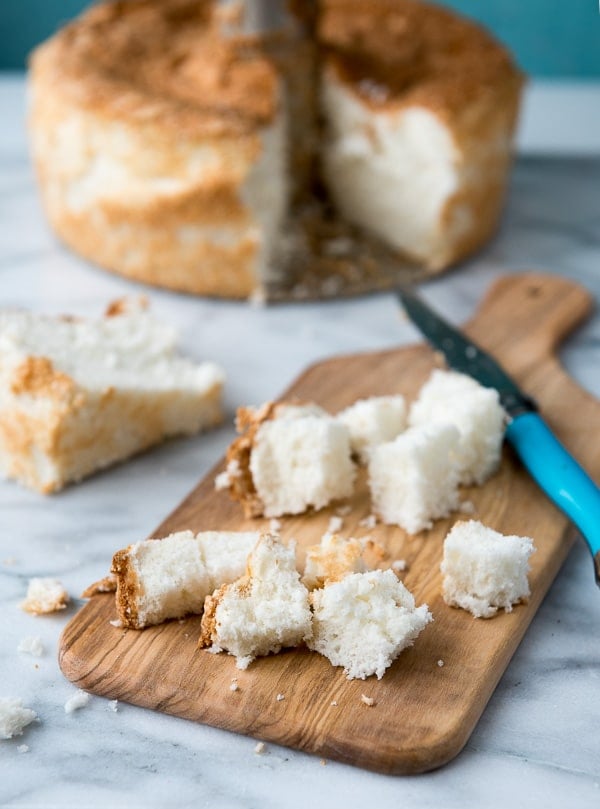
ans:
(540, 734)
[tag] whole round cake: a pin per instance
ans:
(173, 148)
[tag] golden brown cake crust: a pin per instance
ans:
(128, 589)
(398, 53)
(147, 61)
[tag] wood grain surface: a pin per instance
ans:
(423, 713)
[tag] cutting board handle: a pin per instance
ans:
(525, 316)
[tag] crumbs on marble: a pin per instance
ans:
(32, 646)
(79, 700)
(114, 705)
(23, 748)
(9, 561)
(260, 748)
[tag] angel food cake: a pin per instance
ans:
(185, 165)
(289, 458)
(78, 395)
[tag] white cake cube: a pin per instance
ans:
(414, 479)
(453, 398)
(373, 421)
(364, 621)
(262, 612)
(301, 461)
(484, 570)
(159, 579)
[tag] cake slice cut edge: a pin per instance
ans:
(77, 396)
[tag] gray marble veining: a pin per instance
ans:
(538, 740)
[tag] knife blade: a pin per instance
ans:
(553, 468)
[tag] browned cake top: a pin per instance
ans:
(163, 60)
(401, 52)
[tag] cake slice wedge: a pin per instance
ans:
(77, 395)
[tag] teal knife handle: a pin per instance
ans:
(559, 475)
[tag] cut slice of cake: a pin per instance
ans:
(263, 612)
(485, 571)
(414, 479)
(373, 421)
(159, 579)
(289, 458)
(452, 398)
(78, 395)
(364, 621)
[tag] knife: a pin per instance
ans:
(552, 467)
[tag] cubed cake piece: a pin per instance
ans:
(289, 458)
(14, 717)
(159, 579)
(414, 479)
(364, 621)
(452, 398)
(484, 570)
(264, 611)
(332, 559)
(373, 421)
(78, 395)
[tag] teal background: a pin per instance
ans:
(559, 38)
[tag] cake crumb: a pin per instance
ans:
(275, 526)
(260, 748)
(368, 522)
(114, 705)
(467, 507)
(335, 525)
(31, 646)
(117, 622)
(222, 481)
(23, 748)
(323, 762)
(333, 703)
(234, 686)
(79, 700)
(45, 596)
(280, 697)
(9, 561)
(440, 663)
(343, 511)
(369, 701)
(399, 565)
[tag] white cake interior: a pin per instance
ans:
(391, 172)
(364, 621)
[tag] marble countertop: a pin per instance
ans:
(538, 736)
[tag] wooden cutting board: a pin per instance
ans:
(423, 712)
